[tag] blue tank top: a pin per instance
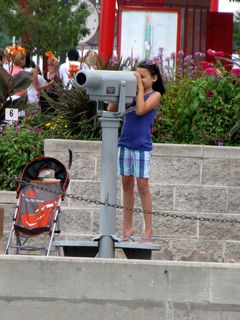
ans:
(136, 130)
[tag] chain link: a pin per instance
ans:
(138, 210)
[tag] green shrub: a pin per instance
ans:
(18, 145)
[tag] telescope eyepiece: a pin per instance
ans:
(81, 78)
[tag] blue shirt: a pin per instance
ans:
(136, 130)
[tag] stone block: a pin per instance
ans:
(198, 250)
(9, 211)
(98, 168)
(75, 220)
(177, 150)
(221, 152)
(1, 221)
(180, 249)
(219, 230)
(233, 200)
(8, 197)
(175, 170)
(232, 251)
(96, 222)
(219, 172)
(165, 252)
(87, 189)
(162, 196)
(200, 199)
(83, 167)
(166, 227)
(62, 145)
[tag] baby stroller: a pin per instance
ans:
(40, 191)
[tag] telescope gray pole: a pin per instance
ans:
(110, 125)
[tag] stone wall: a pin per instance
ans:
(193, 180)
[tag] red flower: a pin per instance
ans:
(50, 55)
(72, 70)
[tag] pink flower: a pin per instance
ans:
(204, 64)
(216, 54)
(236, 71)
(180, 53)
(209, 93)
(213, 72)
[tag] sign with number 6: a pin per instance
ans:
(11, 114)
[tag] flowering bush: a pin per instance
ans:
(202, 102)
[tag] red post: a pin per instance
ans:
(214, 6)
(107, 23)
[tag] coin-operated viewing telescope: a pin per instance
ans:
(108, 86)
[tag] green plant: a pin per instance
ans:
(73, 115)
(11, 85)
(18, 144)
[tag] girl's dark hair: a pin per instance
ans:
(154, 71)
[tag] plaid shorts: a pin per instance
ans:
(134, 163)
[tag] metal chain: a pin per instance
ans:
(137, 210)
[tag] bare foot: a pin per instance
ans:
(128, 236)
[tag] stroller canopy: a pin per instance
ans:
(34, 167)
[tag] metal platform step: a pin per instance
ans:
(132, 250)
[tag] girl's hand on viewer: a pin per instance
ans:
(139, 81)
(112, 107)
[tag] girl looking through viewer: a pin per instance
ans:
(135, 146)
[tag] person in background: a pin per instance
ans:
(135, 146)
(66, 68)
(18, 61)
(52, 67)
(17, 55)
(37, 86)
(91, 59)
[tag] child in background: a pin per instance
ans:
(135, 146)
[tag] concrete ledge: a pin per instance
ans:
(8, 197)
(58, 145)
(164, 149)
(64, 288)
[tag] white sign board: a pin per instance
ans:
(143, 33)
(11, 114)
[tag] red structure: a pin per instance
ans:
(214, 6)
(197, 24)
(107, 23)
